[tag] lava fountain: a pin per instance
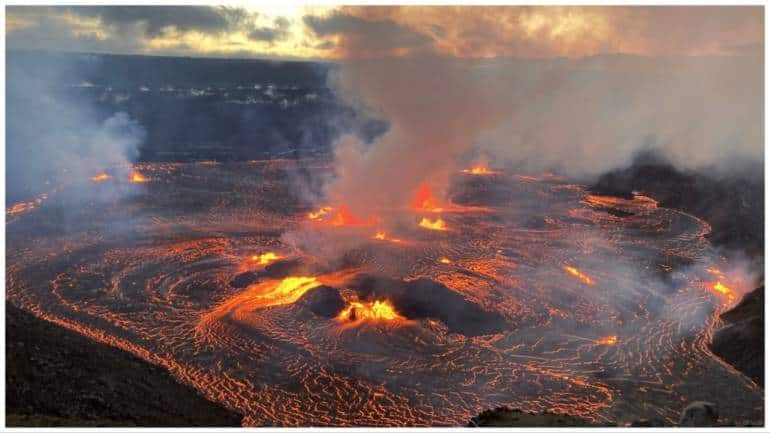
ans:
(437, 224)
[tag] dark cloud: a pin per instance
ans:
(104, 29)
(366, 34)
(49, 32)
(279, 31)
(157, 18)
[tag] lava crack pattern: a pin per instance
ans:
(602, 307)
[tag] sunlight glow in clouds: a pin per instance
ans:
(328, 32)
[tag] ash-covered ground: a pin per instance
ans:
(532, 294)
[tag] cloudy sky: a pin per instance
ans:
(329, 32)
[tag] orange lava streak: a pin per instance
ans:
(720, 287)
(27, 206)
(137, 177)
(724, 290)
(287, 291)
(608, 340)
(382, 236)
(444, 260)
(478, 170)
(342, 217)
(377, 310)
(439, 224)
(424, 200)
(101, 177)
(265, 258)
(579, 275)
(319, 214)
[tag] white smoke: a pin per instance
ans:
(581, 117)
(56, 137)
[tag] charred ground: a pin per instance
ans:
(57, 377)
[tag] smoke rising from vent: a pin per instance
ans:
(585, 117)
(54, 137)
(580, 117)
(436, 108)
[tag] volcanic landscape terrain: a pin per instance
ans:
(519, 291)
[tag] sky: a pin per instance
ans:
(355, 32)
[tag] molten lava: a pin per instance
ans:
(479, 169)
(424, 200)
(265, 258)
(319, 214)
(579, 275)
(505, 299)
(137, 177)
(101, 177)
(372, 311)
(342, 217)
(724, 290)
(608, 340)
(382, 236)
(287, 291)
(438, 224)
(27, 206)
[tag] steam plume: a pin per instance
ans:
(54, 136)
(581, 117)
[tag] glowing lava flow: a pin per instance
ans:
(724, 290)
(438, 224)
(579, 275)
(319, 214)
(342, 217)
(177, 287)
(101, 177)
(719, 287)
(382, 236)
(287, 291)
(478, 170)
(265, 258)
(609, 340)
(27, 206)
(424, 200)
(378, 310)
(137, 177)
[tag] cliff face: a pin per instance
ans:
(506, 417)
(733, 205)
(740, 341)
(56, 377)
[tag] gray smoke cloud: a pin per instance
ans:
(580, 117)
(588, 116)
(55, 138)
(436, 108)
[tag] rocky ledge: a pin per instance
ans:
(57, 377)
